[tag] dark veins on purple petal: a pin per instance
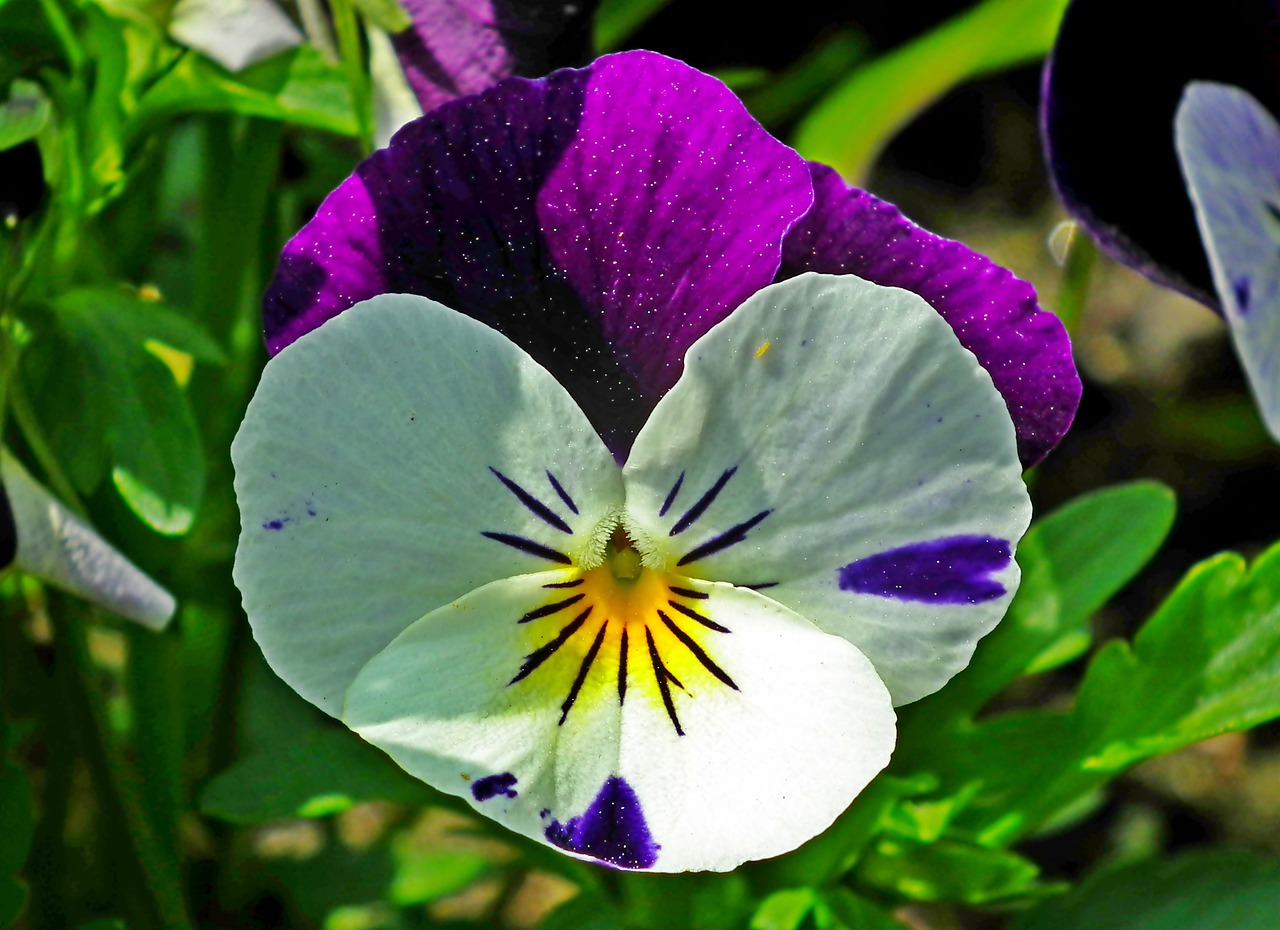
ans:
(8, 531)
(612, 830)
(483, 789)
(955, 570)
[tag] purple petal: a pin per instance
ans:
(669, 209)
(612, 829)
(460, 47)
(955, 570)
(995, 315)
(1111, 88)
(602, 219)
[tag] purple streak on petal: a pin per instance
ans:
(612, 829)
(955, 570)
(458, 47)
(669, 209)
(1024, 349)
(484, 789)
(1111, 87)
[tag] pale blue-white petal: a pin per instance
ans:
(1229, 148)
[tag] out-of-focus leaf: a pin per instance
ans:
(23, 115)
(154, 445)
(316, 775)
(616, 20)
(29, 40)
(1226, 889)
(104, 924)
(426, 875)
(387, 15)
(587, 911)
(948, 871)
(1073, 561)
(853, 122)
(803, 82)
(298, 86)
(784, 910)
(18, 812)
(1207, 663)
(841, 909)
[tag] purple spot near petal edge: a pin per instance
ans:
(954, 570)
(612, 830)
(483, 789)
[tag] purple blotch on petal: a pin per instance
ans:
(612, 830)
(954, 570)
(483, 789)
(277, 524)
(995, 314)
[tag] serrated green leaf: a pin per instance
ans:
(298, 86)
(853, 122)
(947, 870)
(316, 775)
(23, 115)
(1208, 662)
(1216, 889)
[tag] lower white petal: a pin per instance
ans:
(633, 732)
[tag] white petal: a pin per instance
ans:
(835, 446)
(234, 33)
(56, 546)
(728, 773)
(375, 455)
(1229, 148)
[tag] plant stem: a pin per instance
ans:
(348, 29)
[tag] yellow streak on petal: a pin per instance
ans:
(764, 347)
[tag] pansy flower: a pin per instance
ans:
(1162, 140)
(41, 536)
(602, 477)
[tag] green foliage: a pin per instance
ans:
(1226, 889)
(848, 127)
(17, 811)
(23, 115)
(618, 19)
(123, 402)
(315, 775)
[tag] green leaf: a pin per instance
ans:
(948, 870)
(426, 875)
(841, 909)
(784, 910)
(853, 122)
(1207, 663)
(316, 775)
(387, 15)
(1073, 561)
(29, 40)
(1216, 889)
(587, 911)
(616, 20)
(154, 444)
(23, 115)
(298, 86)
